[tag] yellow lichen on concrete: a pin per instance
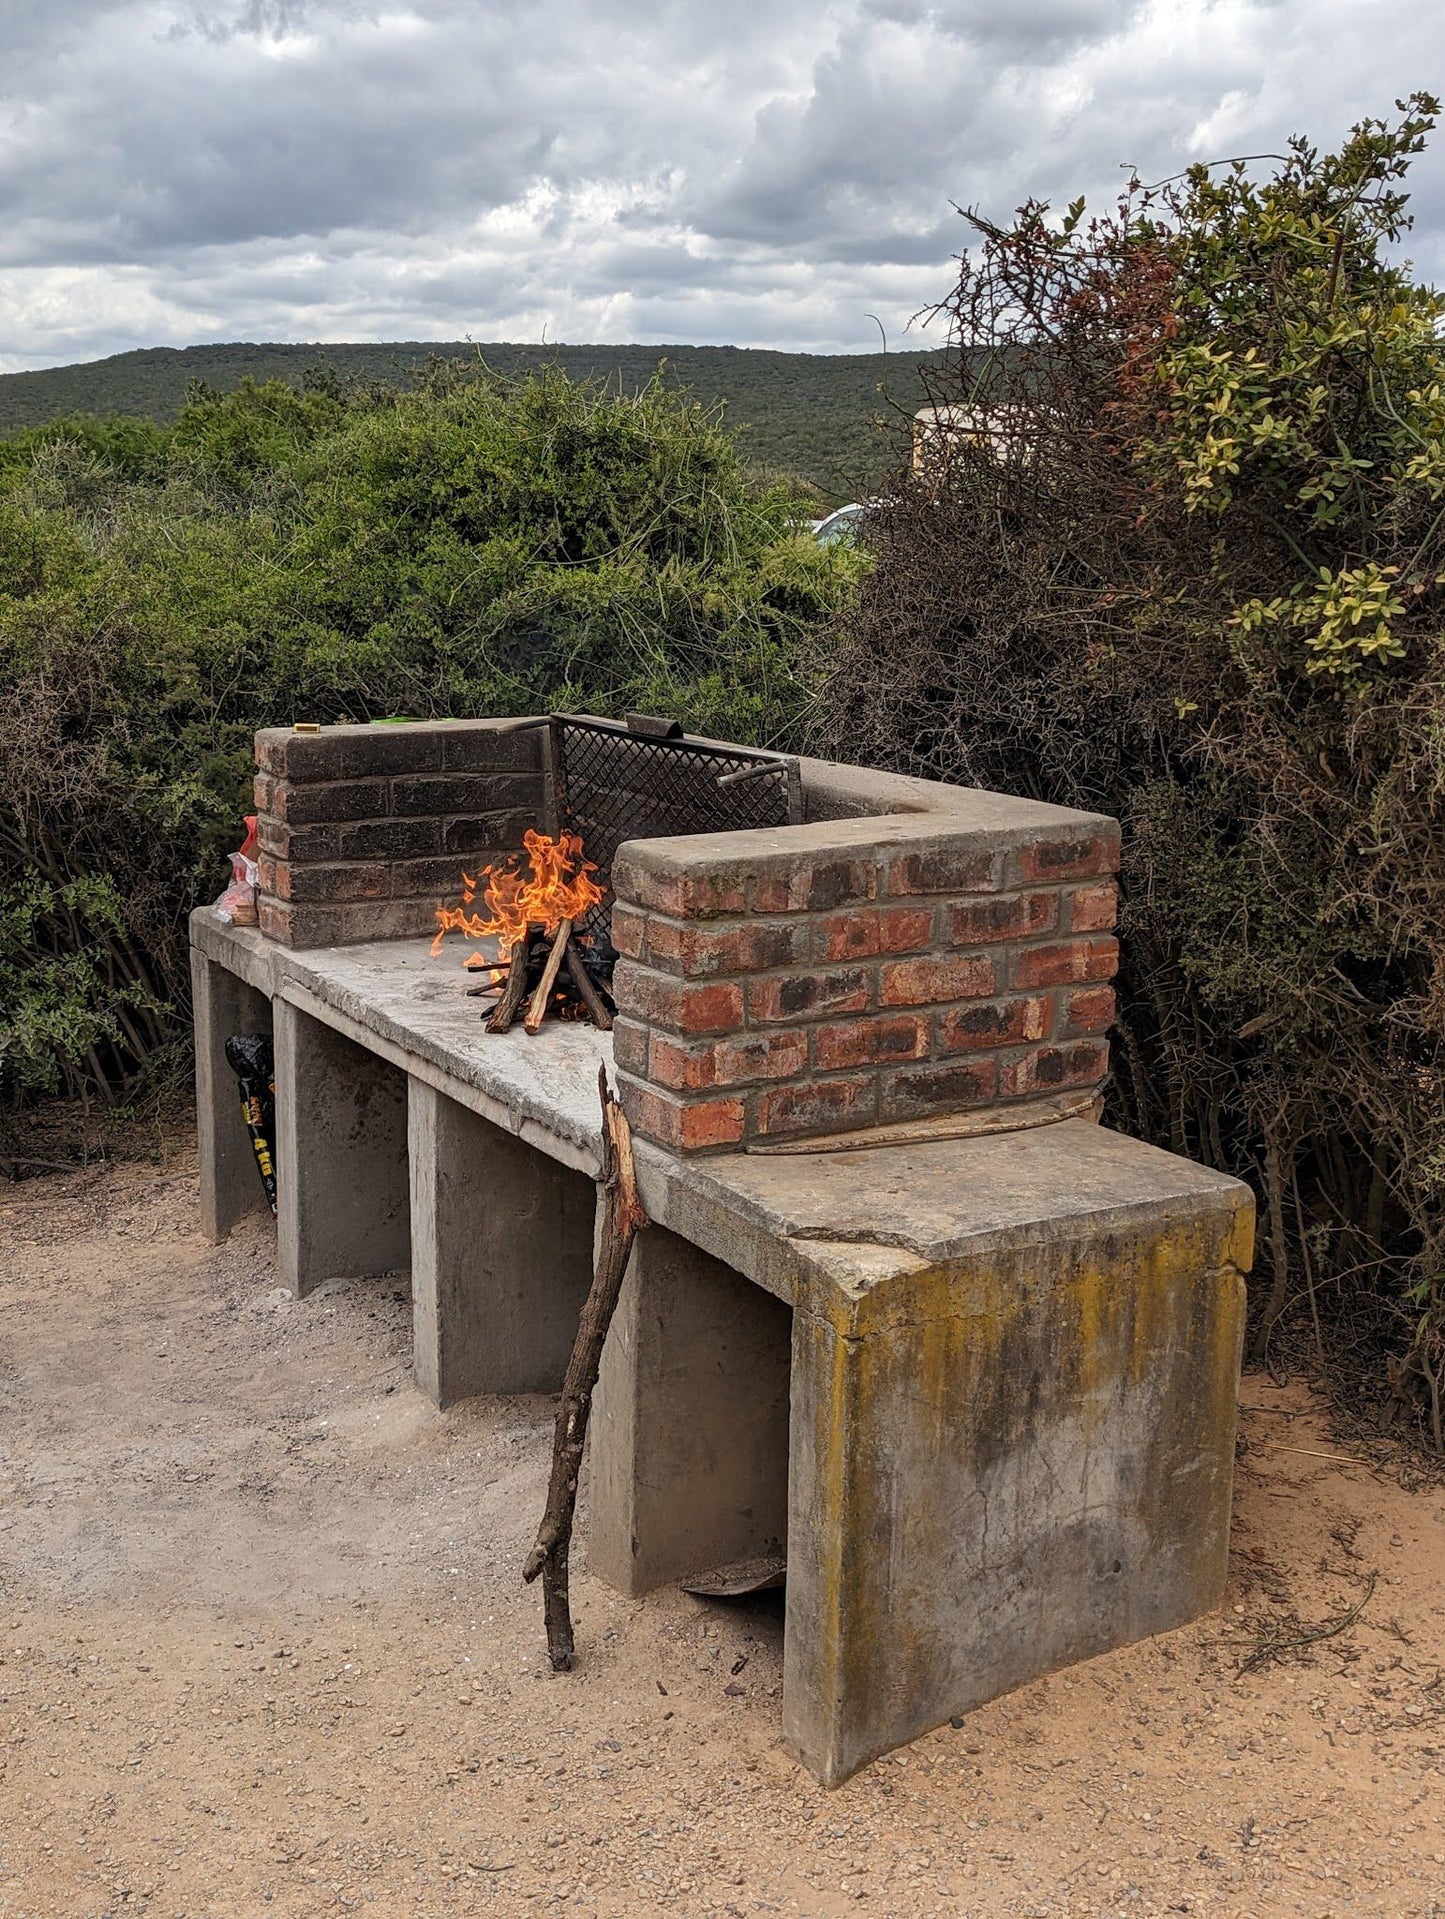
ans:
(1019, 1459)
(999, 1281)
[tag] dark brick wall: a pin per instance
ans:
(819, 994)
(363, 830)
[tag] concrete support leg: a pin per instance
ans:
(1019, 1461)
(341, 1167)
(230, 1184)
(501, 1254)
(690, 1428)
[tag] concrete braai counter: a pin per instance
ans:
(981, 1389)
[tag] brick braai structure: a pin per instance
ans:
(363, 829)
(910, 950)
(975, 1396)
(851, 993)
(782, 984)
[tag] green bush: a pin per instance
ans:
(1188, 567)
(472, 546)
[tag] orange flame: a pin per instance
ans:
(558, 886)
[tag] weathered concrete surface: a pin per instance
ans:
(225, 1004)
(690, 1428)
(394, 996)
(501, 1254)
(240, 949)
(808, 1226)
(341, 1164)
(1013, 1366)
(397, 1000)
(1009, 1459)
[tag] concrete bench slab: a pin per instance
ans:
(981, 1390)
(406, 1006)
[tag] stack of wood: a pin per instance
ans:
(547, 974)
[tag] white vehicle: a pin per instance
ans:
(839, 528)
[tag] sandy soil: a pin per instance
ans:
(264, 1650)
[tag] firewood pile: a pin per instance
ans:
(532, 906)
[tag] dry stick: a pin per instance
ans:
(493, 984)
(1339, 1459)
(622, 1220)
(1267, 1648)
(591, 998)
(1278, 1249)
(1304, 1246)
(510, 1004)
(537, 1011)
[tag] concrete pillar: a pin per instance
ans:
(341, 1164)
(1003, 1464)
(230, 1184)
(689, 1431)
(501, 1241)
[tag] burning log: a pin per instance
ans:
(586, 990)
(493, 984)
(537, 1011)
(533, 912)
(515, 991)
(546, 974)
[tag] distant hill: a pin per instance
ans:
(819, 415)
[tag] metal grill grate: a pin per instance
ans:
(613, 783)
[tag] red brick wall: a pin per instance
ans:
(363, 830)
(818, 993)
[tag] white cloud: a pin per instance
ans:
(768, 173)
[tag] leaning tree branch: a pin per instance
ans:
(622, 1220)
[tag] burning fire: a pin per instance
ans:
(557, 885)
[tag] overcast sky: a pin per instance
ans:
(764, 172)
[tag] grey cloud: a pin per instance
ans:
(1029, 27)
(207, 146)
(769, 173)
(244, 18)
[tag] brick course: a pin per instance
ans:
(825, 993)
(364, 830)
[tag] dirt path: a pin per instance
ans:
(263, 1650)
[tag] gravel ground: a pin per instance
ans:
(264, 1650)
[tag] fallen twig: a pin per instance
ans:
(1336, 1459)
(48, 1165)
(1267, 1649)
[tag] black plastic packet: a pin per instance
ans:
(250, 1058)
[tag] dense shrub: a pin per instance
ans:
(813, 414)
(472, 546)
(1185, 562)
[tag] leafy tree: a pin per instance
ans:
(811, 414)
(473, 545)
(1181, 556)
